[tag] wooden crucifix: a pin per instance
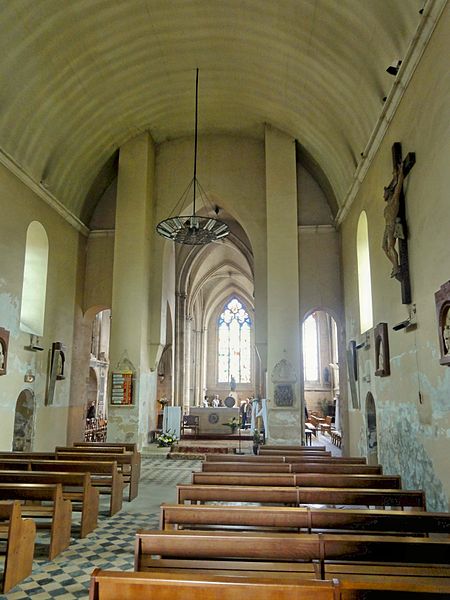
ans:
(396, 227)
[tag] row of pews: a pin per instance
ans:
(242, 526)
(45, 489)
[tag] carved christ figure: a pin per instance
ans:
(393, 229)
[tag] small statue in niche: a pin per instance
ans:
(232, 384)
(2, 358)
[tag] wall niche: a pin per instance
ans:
(442, 301)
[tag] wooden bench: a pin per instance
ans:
(252, 467)
(304, 519)
(297, 496)
(128, 462)
(105, 475)
(111, 585)
(327, 480)
(263, 451)
(58, 510)
(297, 448)
(76, 487)
(18, 537)
(200, 550)
(128, 446)
(300, 458)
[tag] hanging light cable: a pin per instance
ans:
(193, 229)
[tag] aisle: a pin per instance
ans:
(111, 545)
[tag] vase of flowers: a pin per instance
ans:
(167, 439)
(233, 424)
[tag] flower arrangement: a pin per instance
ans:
(257, 437)
(167, 439)
(233, 424)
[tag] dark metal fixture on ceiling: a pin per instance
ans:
(193, 229)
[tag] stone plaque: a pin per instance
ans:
(284, 395)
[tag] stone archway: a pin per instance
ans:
(372, 442)
(24, 422)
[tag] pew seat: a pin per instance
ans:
(77, 488)
(56, 513)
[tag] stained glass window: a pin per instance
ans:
(234, 343)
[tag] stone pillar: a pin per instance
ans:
(180, 335)
(131, 285)
(283, 315)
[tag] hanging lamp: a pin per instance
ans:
(192, 229)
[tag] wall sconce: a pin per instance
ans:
(394, 69)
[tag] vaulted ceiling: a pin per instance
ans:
(80, 77)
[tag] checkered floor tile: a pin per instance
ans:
(110, 546)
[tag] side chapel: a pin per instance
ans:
(323, 144)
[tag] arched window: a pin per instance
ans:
(310, 349)
(364, 276)
(234, 343)
(34, 280)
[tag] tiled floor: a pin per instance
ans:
(111, 545)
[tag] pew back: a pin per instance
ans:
(110, 585)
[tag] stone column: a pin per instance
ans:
(283, 315)
(131, 285)
(180, 335)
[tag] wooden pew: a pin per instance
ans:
(127, 462)
(296, 496)
(326, 480)
(76, 487)
(128, 446)
(304, 519)
(200, 550)
(18, 536)
(297, 448)
(105, 475)
(268, 458)
(27, 455)
(263, 451)
(111, 585)
(58, 510)
(248, 467)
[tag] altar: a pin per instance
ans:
(211, 420)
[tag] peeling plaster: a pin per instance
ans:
(401, 450)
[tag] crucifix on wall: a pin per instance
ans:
(394, 214)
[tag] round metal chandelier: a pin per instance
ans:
(192, 229)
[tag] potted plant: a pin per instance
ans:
(233, 424)
(167, 439)
(257, 438)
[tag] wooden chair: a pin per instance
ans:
(191, 422)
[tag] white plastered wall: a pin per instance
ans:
(413, 403)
